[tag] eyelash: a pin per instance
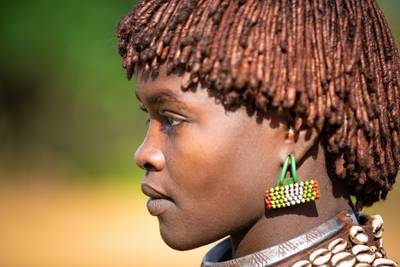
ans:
(167, 118)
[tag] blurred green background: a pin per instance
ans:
(65, 103)
(69, 124)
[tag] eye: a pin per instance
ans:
(171, 119)
(143, 108)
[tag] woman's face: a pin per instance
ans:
(206, 168)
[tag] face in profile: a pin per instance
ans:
(206, 168)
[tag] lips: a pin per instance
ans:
(158, 202)
(153, 193)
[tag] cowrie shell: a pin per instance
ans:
(377, 224)
(357, 235)
(303, 263)
(363, 253)
(357, 249)
(378, 254)
(383, 262)
(379, 234)
(382, 251)
(380, 243)
(320, 256)
(362, 264)
(365, 258)
(343, 259)
(337, 245)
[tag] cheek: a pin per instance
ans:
(221, 159)
(213, 160)
(218, 178)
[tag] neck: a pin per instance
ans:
(277, 226)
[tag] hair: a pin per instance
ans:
(332, 63)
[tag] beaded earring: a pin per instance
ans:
(291, 191)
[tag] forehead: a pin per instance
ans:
(167, 89)
(165, 85)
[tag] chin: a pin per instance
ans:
(182, 240)
(178, 242)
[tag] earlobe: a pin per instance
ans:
(298, 143)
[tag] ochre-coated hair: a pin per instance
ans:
(332, 63)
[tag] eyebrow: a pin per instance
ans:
(162, 97)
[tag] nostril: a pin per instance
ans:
(149, 167)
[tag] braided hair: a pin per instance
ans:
(332, 63)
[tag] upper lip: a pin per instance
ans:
(153, 193)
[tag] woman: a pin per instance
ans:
(238, 91)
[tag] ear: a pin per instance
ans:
(299, 142)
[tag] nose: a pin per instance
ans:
(149, 157)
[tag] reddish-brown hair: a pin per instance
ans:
(333, 63)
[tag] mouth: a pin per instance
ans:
(153, 193)
(158, 202)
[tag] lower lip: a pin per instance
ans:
(157, 206)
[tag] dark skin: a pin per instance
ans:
(212, 168)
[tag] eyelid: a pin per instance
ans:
(171, 114)
(176, 118)
(141, 106)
